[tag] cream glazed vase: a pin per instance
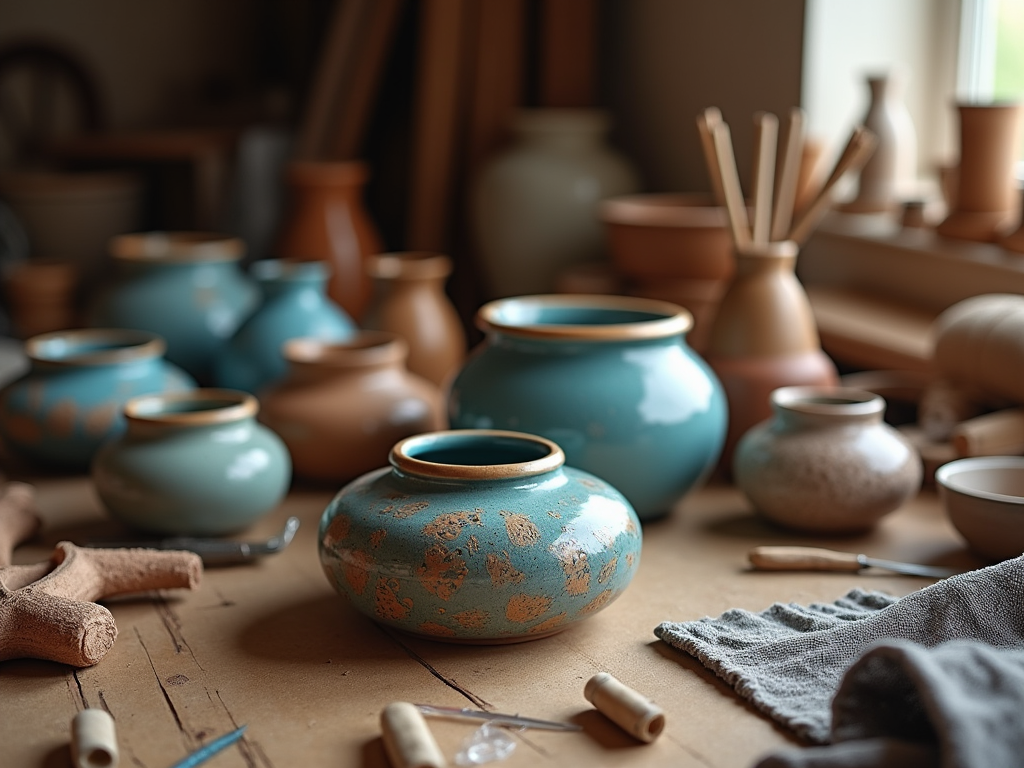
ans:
(826, 462)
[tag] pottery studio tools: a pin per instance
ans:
(214, 551)
(773, 198)
(816, 559)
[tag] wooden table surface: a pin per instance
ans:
(272, 646)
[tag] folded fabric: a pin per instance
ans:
(789, 659)
(956, 705)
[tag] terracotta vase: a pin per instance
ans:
(409, 300)
(764, 337)
(343, 405)
(985, 204)
(534, 204)
(826, 462)
(891, 170)
(328, 221)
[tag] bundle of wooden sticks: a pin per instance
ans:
(774, 194)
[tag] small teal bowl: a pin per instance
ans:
(479, 536)
(70, 401)
(192, 464)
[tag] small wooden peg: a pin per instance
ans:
(628, 709)
(93, 740)
(407, 737)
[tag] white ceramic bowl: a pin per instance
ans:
(984, 498)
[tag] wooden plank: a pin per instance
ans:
(442, 62)
(568, 53)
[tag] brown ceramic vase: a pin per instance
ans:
(986, 191)
(342, 406)
(409, 300)
(764, 336)
(328, 221)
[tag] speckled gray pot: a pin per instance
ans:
(826, 462)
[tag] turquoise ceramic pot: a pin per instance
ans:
(610, 379)
(184, 286)
(192, 464)
(294, 305)
(479, 536)
(70, 400)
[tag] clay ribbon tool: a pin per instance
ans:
(496, 717)
(213, 551)
(815, 559)
(204, 753)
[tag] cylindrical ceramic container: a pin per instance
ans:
(192, 464)
(826, 462)
(343, 405)
(610, 379)
(70, 399)
(294, 305)
(479, 536)
(184, 286)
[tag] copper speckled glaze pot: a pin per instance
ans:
(479, 536)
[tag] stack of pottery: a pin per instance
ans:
(409, 300)
(70, 400)
(186, 287)
(342, 405)
(479, 536)
(672, 247)
(294, 304)
(610, 379)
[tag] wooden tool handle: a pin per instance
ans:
(802, 559)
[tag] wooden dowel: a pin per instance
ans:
(705, 122)
(766, 132)
(789, 174)
(734, 202)
(630, 710)
(859, 149)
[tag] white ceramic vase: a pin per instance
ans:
(535, 203)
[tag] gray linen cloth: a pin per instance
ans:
(789, 660)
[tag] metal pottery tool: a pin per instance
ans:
(213, 551)
(815, 559)
(496, 717)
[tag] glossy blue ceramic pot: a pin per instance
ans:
(610, 379)
(71, 399)
(192, 464)
(294, 305)
(479, 536)
(186, 287)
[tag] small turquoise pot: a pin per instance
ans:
(186, 287)
(192, 464)
(294, 305)
(479, 536)
(610, 379)
(70, 400)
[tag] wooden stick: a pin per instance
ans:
(705, 122)
(766, 132)
(734, 202)
(862, 143)
(630, 710)
(789, 174)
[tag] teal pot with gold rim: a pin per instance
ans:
(479, 536)
(610, 379)
(192, 464)
(294, 304)
(186, 287)
(70, 400)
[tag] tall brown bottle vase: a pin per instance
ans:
(986, 194)
(763, 337)
(343, 405)
(409, 300)
(327, 221)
